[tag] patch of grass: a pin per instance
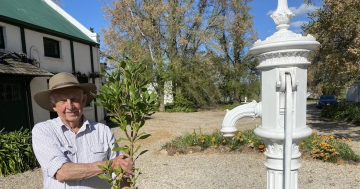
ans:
(178, 108)
(345, 152)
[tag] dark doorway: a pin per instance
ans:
(14, 110)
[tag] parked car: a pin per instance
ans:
(326, 100)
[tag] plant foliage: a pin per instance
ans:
(336, 63)
(126, 99)
(181, 104)
(343, 111)
(16, 154)
(215, 140)
(325, 148)
(328, 148)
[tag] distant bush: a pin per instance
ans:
(16, 154)
(181, 104)
(343, 111)
(231, 106)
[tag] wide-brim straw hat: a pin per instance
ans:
(60, 81)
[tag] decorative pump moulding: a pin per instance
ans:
(283, 61)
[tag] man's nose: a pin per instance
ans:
(69, 103)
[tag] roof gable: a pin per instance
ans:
(37, 14)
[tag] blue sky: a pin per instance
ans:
(90, 13)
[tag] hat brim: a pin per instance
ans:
(42, 98)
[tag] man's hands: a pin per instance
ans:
(125, 163)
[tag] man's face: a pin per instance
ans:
(69, 104)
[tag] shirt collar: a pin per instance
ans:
(60, 124)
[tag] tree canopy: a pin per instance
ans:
(337, 62)
(199, 45)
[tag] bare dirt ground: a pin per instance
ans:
(216, 170)
(164, 126)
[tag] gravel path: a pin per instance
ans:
(214, 170)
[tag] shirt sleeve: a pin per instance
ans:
(112, 143)
(49, 155)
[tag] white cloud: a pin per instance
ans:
(298, 24)
(301, 10)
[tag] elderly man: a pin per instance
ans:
(71, 148)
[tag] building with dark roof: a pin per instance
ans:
(37, 40)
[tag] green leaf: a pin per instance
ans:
(145, 136)
(141, 153)
(105, 177)
(121, 149)
(123, 64)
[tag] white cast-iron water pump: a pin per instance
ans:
(283, 64)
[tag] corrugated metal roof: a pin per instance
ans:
(13, 63)
(38, 14)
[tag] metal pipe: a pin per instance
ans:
(252, 109)
(288, 131)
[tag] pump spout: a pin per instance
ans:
(252, 109)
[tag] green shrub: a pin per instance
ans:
(328, 148)
(231, 106)
(216, 140)
(345, 152)
(343, 111)
(181, 104)
(16, 154)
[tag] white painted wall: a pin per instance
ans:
(38, 84)
(11, 37)
(35, 43)
(96, 55)
(89, 112)
(100, 110)
(82, 58)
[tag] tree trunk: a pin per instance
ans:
(161, 95)
(161, 102)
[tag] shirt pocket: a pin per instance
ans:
(99, 152)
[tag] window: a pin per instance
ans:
(51, 48)
(2, 41)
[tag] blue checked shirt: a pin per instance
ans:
(54, 145)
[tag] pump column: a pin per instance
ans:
(283, 64)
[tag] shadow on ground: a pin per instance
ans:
(325, 126)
